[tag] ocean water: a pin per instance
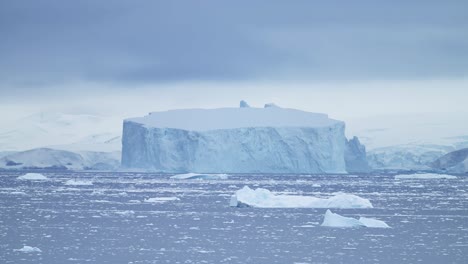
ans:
(190, 221)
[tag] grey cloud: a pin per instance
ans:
(46, 42)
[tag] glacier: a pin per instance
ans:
(46, 158)
(235, 140)
(453, 162)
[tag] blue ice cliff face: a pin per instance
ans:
(355, 156)
(235, 140)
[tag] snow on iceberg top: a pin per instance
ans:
(231, 118)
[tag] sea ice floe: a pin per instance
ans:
(161, 199)
(203, 176)
(425, 176)
(28, 249)
(371, 222)
(263, 198)
(78, 182)
(336, 220)
(32, 176)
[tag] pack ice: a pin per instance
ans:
(263, 198)
(237, 140)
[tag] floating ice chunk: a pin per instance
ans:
(78, 182)
(33, 177)
(127, 213)
(161, 199)
(370, 222)
(200, 176)
(263, 198)
(28, 249)
(425, 176)
(233, 202)
(336, 220)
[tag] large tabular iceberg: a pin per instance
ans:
(235, 140)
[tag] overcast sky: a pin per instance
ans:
(342, 57)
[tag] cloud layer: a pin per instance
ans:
(47, 43)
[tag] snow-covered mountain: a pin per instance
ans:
(74, 132)
(454, 162)
(63, 141)
(235, 140)
(411, 141)
(45, 158)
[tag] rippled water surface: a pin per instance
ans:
(190, 221)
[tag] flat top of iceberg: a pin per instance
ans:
(425, 176)
(230, 118)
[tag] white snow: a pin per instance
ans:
(32, 176)
(263, 198)
(200, 176)
(78, 182)
(425, 176)
(230, 118)
(161, 199)
(336, 220)
(28, 249)
(74, 132)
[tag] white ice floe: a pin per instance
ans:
(203, 176)
(425, 176)
(33, 177)
(336, 220)
(263, 198)
(28, 249)
(78, 182)
(161, 199)
(371, 222)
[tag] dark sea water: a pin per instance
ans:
(109, 221)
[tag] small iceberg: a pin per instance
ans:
(425, 176)
(336, 220)
(263, 198)
(28, 249)
(79, 182)
(33, 177)
(371, 222)
(161, 199)
(202, 176)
